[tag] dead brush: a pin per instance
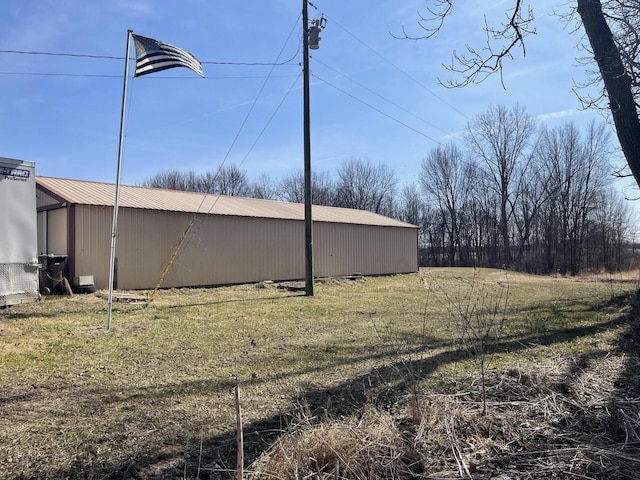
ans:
(532, 428)
(532, 424)
(368, 446)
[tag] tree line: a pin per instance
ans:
(508, 194)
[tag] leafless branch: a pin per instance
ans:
(476, 66)
(432, 23)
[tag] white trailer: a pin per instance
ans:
(18, 233)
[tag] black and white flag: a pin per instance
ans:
(154, 56)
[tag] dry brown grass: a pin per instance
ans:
(367, 446)
(153, 397)
(536, 427)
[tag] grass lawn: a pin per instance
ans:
(154, 396)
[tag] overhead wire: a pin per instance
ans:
(378, 110)
(61, 54)
(112, 57)
(377, 94)
(90, 75)
(271, 118)
(364, 87)
(264, 84)
(183, 241)
(409, 76)
(272, 64)
(267, 77)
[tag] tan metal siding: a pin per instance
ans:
(57, 231)
(237, 250)
(219, 249)
(93, 242)
(225, 249)
(42, 232)
(341, 249)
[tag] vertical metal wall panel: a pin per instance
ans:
(42, 232)
(93, 242)
(224, 249)
(344, 249)
(57, 231)
(218, 250)
(144, 245)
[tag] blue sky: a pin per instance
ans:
(69, 124)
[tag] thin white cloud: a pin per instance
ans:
(543, 117)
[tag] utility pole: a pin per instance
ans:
(310, 39)
(308, 225)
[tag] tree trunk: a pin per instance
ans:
(616, 81)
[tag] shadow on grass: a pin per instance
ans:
(384, 383)
(13, 315)
(234, 300)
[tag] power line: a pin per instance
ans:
(110, 57)
(379, 111)
(382, 97)
(54, 54)
(412, 78)
(271, 118)
(264, 84)
(43, 74)
(186, 234)
(217, 77)
(255, 64)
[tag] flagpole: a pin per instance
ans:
(114, 226)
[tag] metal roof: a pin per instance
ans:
(83, 192)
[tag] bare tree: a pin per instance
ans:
(575, 171)
(499, 140)
(365, 186)
(291, 188)
(412, 208)
(227, 180)
(617, 59)
(559, 213)
(446, 182)
(174, 180)
(322, 188)
(611, 28)
(611, 231)
(264, 188)
(533, 194)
